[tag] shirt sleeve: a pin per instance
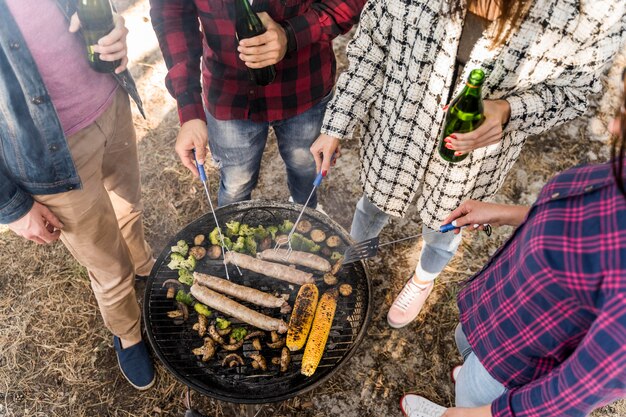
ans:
(358, 87)
(564, 98)
(14, 202)
(591, 377)
(177, 27)
(325, 20)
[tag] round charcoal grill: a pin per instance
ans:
(173, 342)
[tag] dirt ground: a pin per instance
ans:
(56, 357)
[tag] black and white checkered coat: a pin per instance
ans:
(401, 61)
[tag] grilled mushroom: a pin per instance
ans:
(256, 333)
(214, 252)
(198, 252)
(330, 279)
(207, 351)
(317, 235)
(198, 240)
(256, 344)
(215, 335)
(232, 359)
(337, 266)
(260, 360)
(276, 360)
(255, 364)
(224, 332)
(277, 344)
(285, 359)
(171, 292)
(333, 241)
(266, 243)
(201, 325)
(274, 336)
(345, 289)
(175, 314)
(233, 346)
(304, 226)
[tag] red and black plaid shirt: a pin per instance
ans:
(303, 77)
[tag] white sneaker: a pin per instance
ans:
(408, 303)
(414, 405)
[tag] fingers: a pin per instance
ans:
(256, 41)
(74, 23)
(192, 136)
(118, 34)
(456, 213)
(51, 219)
(323, 149)
(122, 67)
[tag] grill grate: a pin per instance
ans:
(173, 342)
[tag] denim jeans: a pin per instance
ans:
(237, 147)
(474, 385)
(437, 250)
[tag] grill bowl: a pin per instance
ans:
(173, 343)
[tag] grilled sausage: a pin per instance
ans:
(242, 292)
(309, 260)
(234, 309)
(269, 269)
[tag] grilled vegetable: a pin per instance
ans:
(286, 226)
(236, 310)
(305, 259)
(320, 330)
(256, 344)
(201, 325)
(175, 314)
(198, 252)
(232, 359)
(198, 240)
(317, 235)
(277, 344)
(215, 335)
(171, 292)
(333, 241)
(335, 256)
(337, 266)
(330, 279)
(202, 309)
(265, 244)
(260, 360)
(222, 323)
(269, 269)
(181, 248)
(224, 332)
(214, 252)
(276, 360)
(285, 359)
(233, 346)
(345, 289)
(184, 298)
(301, 243)
(207, 351)
(302, 316)
(256, 333)
(303, 226)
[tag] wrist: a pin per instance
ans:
(505, 111)
(290, 35)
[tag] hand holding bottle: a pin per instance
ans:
(497, 113)
(323, 149)
(266, 49)
(478, 213)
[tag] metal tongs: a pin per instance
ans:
(369, 248)
(205, 183)
(316, 183)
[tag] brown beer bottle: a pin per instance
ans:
(96, 20)
(465, 114)
(248, 25)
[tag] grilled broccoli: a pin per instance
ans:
(272, 230)
(245, 230)
(177, 261)
(260, 232)
(239, 245)
(250, 245)
(185, 277)
(181, 247)
(286, 226)
(184, 298)
(335, 256)
(238, 333)
(202, 309)
(214, 237)
(222, 323)
(232, 228)
(301, 243)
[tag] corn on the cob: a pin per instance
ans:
(302, 316)
(320, 330)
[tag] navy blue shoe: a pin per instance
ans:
(135, 364)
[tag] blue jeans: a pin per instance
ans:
(437, 250)
(474, 385)
(237, 148)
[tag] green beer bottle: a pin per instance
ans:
(96, 20)
(248, 25)
(465, 114)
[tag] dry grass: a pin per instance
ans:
(56, 357)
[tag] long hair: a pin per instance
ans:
(512, 13)
(618, 151)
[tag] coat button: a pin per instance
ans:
(52, 148)
(14, 45)
(588, 188)
(555, 195)
(38, 100)
(69, 187)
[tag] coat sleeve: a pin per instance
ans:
(358, 86)
(592, 376)
(178, 31)
(565, 97)
(14, 202)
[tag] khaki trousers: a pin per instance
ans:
(103, 220)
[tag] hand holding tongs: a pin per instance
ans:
(369, 248)
(204, 180)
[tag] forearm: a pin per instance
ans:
(515, 215)
(484, 411)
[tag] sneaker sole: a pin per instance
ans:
(398, 326)
(144, 388)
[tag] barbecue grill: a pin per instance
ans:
(173, 342)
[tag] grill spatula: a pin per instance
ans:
(369, 248)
